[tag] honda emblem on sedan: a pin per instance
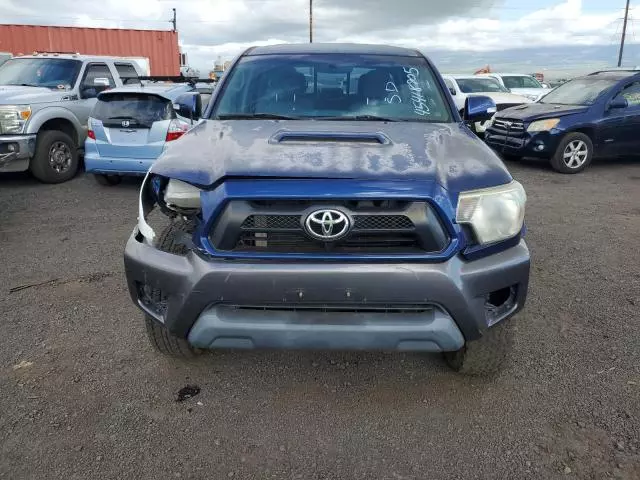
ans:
(125, 123)
(327, 225)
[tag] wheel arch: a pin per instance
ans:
(59, 119)
(588, 131)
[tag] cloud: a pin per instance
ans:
(223, 28)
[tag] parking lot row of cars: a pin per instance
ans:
(54, 105)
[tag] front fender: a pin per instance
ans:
(52, 113)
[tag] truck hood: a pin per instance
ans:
(536, 111)
(17, 95)
(445, 153)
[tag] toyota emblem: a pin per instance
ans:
(125, 123)
(327, 225)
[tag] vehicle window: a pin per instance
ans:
(138, 109)
(333, 87)
(54, 73)
(97, 70)
(520, 81)
(632, 94)
(94, 74)
(127, 73)
(477, 85)
(581, 91)
(206, 97)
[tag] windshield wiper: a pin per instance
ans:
(250, 116)
(366, 118)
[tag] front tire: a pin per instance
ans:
(160, 338)
(167, 343)
(485, 356)
(56, 157)
(108, 180)
(574, 153)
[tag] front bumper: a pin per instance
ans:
(525, 144)
(15, 152)
(402, 306)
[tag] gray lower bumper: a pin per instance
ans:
(218, 303)
(15, 152)
(428, 330)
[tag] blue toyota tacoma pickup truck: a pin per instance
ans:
(332, 198)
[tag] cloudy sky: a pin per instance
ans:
(210, 29)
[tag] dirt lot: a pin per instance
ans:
(82, 395)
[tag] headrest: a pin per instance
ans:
(373, 84)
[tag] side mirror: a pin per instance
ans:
(618, 102)
(101, 82)
(452, 90)
(189, 105)
(479, 108)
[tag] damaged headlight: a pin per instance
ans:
(179, 196)
(174, 197)
(494, 214)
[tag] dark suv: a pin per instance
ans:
(595, 115)
(332, 198)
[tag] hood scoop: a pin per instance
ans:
(287, 136)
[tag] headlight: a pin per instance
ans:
(181, 196)
(494, 214)
(173, 196)
(543, 125)
(13, 118)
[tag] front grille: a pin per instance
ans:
(382, 222)
(508, 126)
(285, 242)
(378, 227)
(272, 222)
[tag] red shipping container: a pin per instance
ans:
(159, 46)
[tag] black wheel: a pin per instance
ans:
(574, 153)
(171, 241)
(485, 356)
(511, 158)
(56, 157)
(108, 180)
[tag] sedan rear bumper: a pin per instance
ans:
(97, 164)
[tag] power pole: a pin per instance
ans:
(310, 21)
(174, 20)
(624, 32)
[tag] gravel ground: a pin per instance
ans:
(82, 395)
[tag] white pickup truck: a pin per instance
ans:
(45, 102)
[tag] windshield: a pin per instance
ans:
(40, 72)
(476, 85)
(581, 91)
(521, 81)
(333, 87)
